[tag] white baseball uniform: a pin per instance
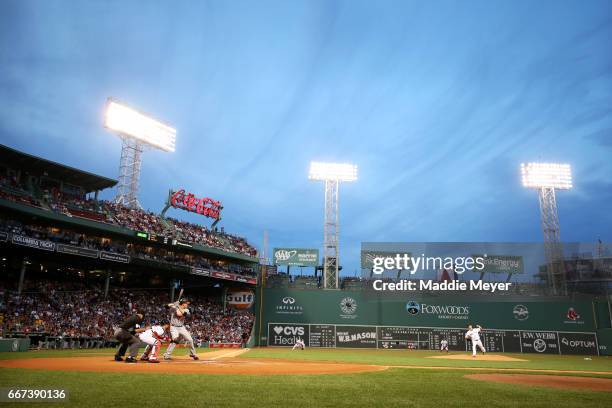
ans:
(299, 343)
(443, 345)
(474, 334)
(152, 338)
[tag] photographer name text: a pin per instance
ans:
(430, 285)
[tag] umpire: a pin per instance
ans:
(126, 336)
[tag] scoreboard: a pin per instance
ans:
(429, 338)
(422, 338)
(322, 335)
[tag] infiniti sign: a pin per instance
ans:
(288, 306)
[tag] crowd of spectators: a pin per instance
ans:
(79, 205)
(142, 251)
(202, 235)
(75, 310)
(11, 190)
(135, 219)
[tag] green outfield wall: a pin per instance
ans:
(369, 319)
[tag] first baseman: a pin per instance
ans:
(178, 311)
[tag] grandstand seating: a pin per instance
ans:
(142, 251)
(73, 205)
(74, 310)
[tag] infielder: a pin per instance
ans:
(178, 311)
(153, 338)
(444, 345)
(474, 335)
(299, 343)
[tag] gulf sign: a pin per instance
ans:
(240, 298)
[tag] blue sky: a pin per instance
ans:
(437, 102)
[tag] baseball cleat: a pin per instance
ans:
(117, 358)
(195, 357)
(130, 360)
(153, 361)
(144, 358)
(167, 358)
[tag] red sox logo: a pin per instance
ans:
(572, 314)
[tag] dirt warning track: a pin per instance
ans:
(553, 381)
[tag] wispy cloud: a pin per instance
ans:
(437, 103)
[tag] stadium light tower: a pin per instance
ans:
(332, 174)
(136, 131)
(546, 178)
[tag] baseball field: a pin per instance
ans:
(271, 377)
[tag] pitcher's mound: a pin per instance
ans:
(554, 381)
(480, 357)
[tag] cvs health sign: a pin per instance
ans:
(285, 334)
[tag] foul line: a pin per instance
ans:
(229, 354)
(529, 370)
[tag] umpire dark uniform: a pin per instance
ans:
(125, 335)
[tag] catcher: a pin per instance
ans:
(153, 338)
(178, 311)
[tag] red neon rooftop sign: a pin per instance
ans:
(189, 202)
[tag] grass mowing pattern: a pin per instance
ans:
(393, 387)
(419, 358)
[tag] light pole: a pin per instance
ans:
(546, 178)
(332, 174)
(136, 131)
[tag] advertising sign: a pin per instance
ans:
(296, 256)
(282, 334)
(356, 336)
(578, 343)
(75, 250)
(501, 264)
(539, 342)
(33, 243)
(111, 256)
(240, 298)
(189, 202)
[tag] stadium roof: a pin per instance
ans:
(37, 165)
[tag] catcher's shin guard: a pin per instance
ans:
(155, 350)
(145, 354)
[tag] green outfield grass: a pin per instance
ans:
(393, 387)
(421, 358)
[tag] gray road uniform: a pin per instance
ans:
(178, 331)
